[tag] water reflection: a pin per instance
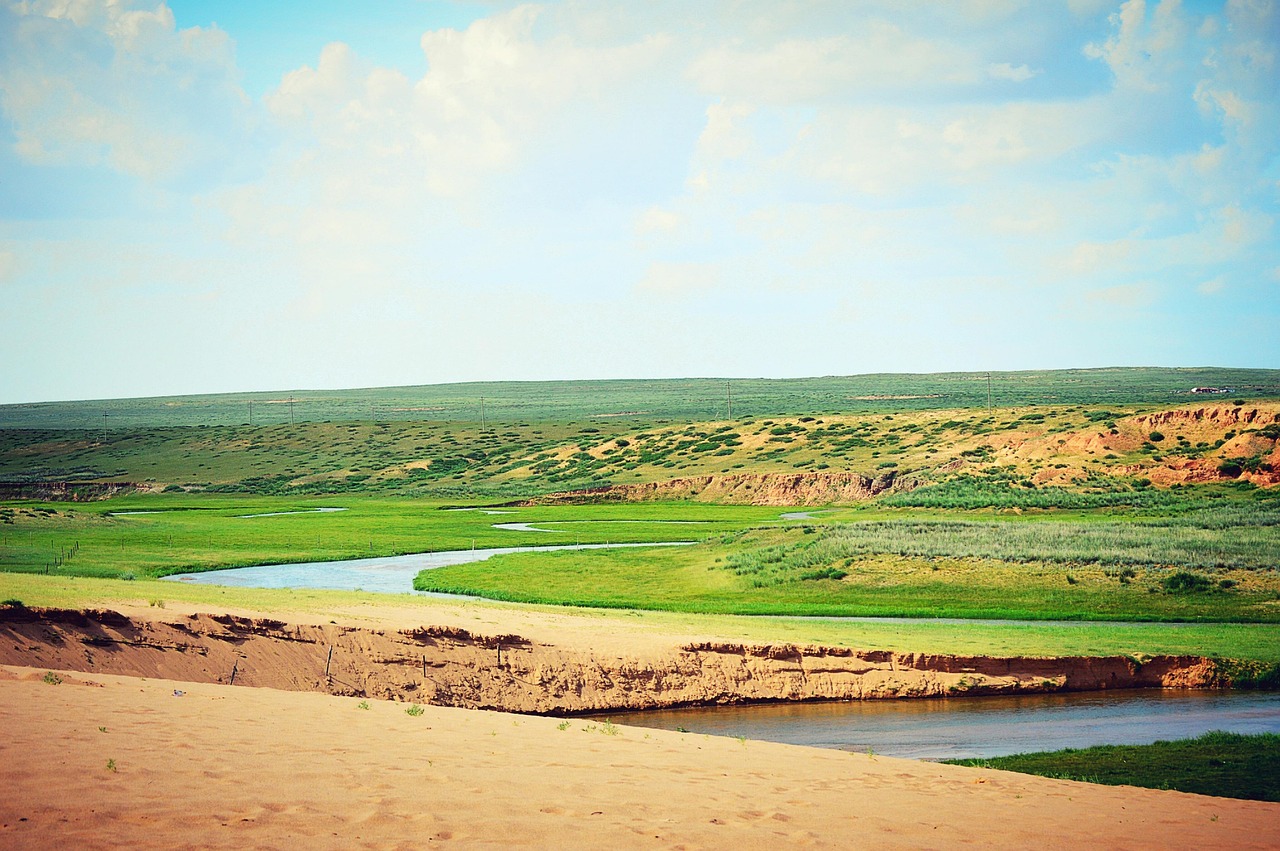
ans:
(981, 727)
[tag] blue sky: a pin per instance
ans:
(216, 196)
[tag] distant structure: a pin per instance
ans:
(1209, 390)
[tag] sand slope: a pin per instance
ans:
(231, 767)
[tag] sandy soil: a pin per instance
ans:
(107, 761)
(446, 665)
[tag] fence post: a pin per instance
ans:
(327, 661)
(234, 667)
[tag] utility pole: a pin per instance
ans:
(104, 426)
(728, 386)
(250, 412)
(988, 390)
(482, 419)
(291, 410)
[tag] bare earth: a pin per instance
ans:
(108, 761)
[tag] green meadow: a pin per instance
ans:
(157, 535)
(992, 513)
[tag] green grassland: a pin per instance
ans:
(1082, 568)
(958, 458)
(1227, 765)
(676, 400)
(182, 533)
(1038, 508)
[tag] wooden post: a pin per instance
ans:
(234, 666)
(327, 661)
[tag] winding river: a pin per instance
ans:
(386, 575)
(918, 728)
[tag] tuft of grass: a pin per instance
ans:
(1227, 765)
(50, 678)
(111, 765)
(364, 704)
(414, 710)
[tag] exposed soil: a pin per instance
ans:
(741, 489)
(450, 666)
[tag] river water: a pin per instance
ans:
(387, 575)
(980, 727)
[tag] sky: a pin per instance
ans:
(230, 196)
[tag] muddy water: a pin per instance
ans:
(981, 726)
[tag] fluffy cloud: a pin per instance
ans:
(116, 83)
(688, 180)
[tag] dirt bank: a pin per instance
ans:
(741, 489)
(449, 666)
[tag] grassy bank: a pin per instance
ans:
(1212, 564)
(1227, 765)
(1257, 643)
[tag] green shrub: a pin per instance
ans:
(1185, 582)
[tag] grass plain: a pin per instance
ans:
(1106, 495)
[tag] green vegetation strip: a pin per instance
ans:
(1227, 765)
(184, 533)
(1257, 645)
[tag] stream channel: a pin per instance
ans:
(972, 727)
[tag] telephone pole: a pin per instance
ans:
(988, 390)
(291, 410)
(728, 386)
(482, 419)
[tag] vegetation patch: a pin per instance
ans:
(1227, 765)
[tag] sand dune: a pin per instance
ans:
(108, 761)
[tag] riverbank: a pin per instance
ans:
(95, 760)
(448, 665)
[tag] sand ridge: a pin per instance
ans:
(97, 761)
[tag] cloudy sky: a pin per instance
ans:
(218, 196)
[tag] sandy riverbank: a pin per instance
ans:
(447, 665)
(107, 761)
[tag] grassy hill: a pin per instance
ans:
(645, 401)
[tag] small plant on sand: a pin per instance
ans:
(609, 728)
(364, 704)
(414, 710)
(102, 729)
(563, 725)
(158, 604)
(51, 678)
(111, 765)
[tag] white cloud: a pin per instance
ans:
(1006, 71)
(115, 82)
(880, 57)
(1211, 286)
